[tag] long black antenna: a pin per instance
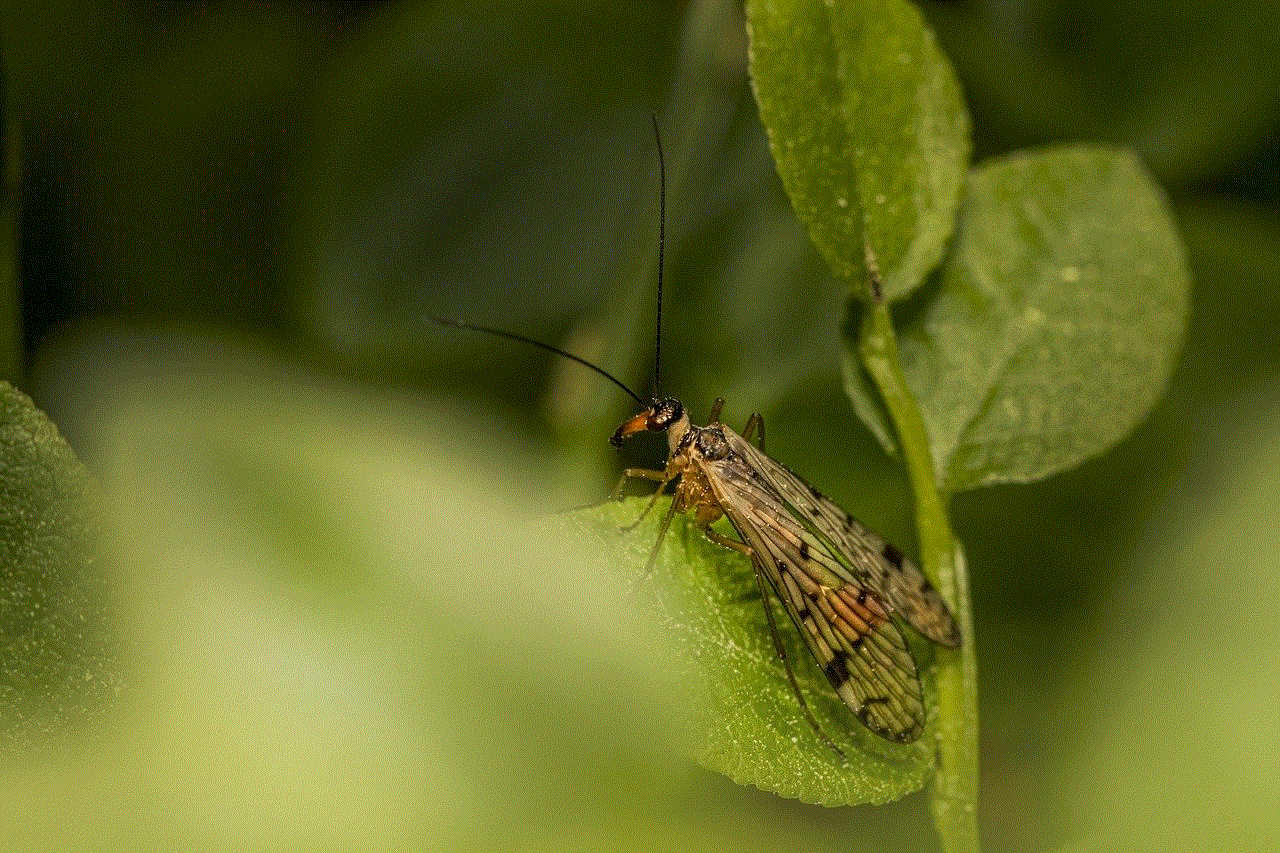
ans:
(512, 336)
(662, 239)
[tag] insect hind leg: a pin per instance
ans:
(743, 548)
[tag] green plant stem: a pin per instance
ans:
(954, 793)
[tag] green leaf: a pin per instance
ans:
(746, 722)
(56, 664)
(868, 129)
(1057, 320)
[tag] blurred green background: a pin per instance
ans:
(234, 217)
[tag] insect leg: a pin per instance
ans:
(662, 478)
(715, 410)
(755, 424)
(662, 532)
(743, 548)
(637, 474)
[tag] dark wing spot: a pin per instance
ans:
(864, 714)
(862, 595)
(837, 671)
(804, 550)
(815, 492)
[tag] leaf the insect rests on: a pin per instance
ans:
(746, 723)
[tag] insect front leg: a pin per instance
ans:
(638, 474)
(755, 424)
(660, 477)
(743, 548)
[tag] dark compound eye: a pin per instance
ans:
(664, 413)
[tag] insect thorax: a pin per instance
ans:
(694, 492)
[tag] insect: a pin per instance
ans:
(841, 584)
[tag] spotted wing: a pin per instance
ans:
(844, 623)
(865, 557)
